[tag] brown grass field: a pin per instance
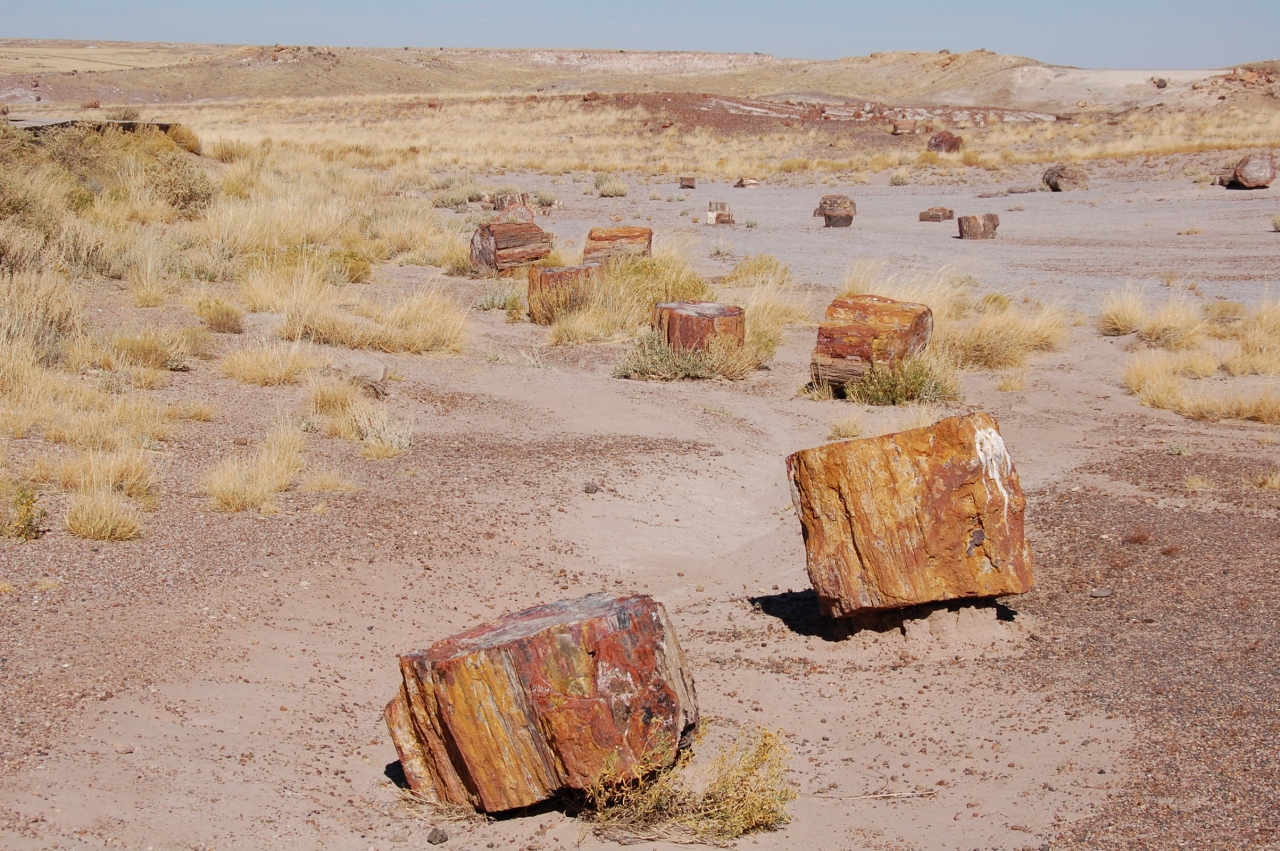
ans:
(261, 430)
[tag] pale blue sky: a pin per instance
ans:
(1155, 34)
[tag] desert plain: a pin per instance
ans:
(192, 665)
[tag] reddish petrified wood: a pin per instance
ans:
(555, 697)
(604, 244)
(692, 325)
(507, 200)
(837, 210)
(746, 183)
(937, 214)
(904, 128)
(1066, 178)
(499, 246)
(1254, 171)
(688, 182)
(979, 227)
(556, 290)
(859, 331)
(920, 516)
(945, 142)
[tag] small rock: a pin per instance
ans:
(1160, 82)
(437, 836)
(399, 837)
(1100, 592)
(716, 453)
(591, 487)
(124, 748)
(241, 441)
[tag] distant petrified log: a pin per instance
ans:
(1255, 171)
(837, 210)
(93, 104)
(938, 214)
(979, 227)
(688, 183)
(555, 697)
(606, 243)
(1066, 178)
(945, 142)
(718, 213)
(903, 128)
(862, 330)
(557, 290)
(692, 325)
(920, 516)
(496, 247)
(506, 200)
(746, 183)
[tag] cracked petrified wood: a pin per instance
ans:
(604, 244)
(688, 182)
(837, 210)
(499, 246)
(937, 214)
(692, 325)
(921, 516)
(1254, 171)
(555, 697)
(862, 330)
(1067, 177)
(557, 290)
(945, 142)
(979, 227)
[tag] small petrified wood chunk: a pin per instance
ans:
(557, 290)
(1066, 178)
(938, 214)
(837, 210)
(692, 325)
(921, 516)
(746, 183)
(1254, 171)
(945, 142)
(688, 182)
(606, 243)
(499, 246)
(979, 227)
(859, 331)
(507, 200)
(556, 697)
(904, 128)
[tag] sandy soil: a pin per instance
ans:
(219, 683)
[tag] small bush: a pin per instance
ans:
(20, 516)
(1122, 313)
(1175, 325)
(181, 184)
(102, 515)
(220, 315)
(899, 178)
(614, 187)
(238, 484)
(924, 378)
(268, 366)
(759, 269)
(184, 137)
(652, 358)
(544, 199)
(847, 429)
(124, 113)
(152, 349)
(230, 150)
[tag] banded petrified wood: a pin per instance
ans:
(937, 214)
(555, 697)
(604, 244)
(862, 330)
(979, 227)
(692, 325)
(499, 246)
(837, 210)
(921, 516)
(556, 290)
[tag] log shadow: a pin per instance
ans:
(799, 611)
(568, 803)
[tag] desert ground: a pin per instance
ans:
(214, 675)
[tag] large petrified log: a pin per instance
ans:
(837, 210)
(688, 182)
(945, 142)
(1254, 171)
(555, 697)
(692, 325)
(862, 330)
(556, 290)
(1066, 178)
(499, 246)
(979, 227)
(606, 243)
(937, 214)
(921, 516)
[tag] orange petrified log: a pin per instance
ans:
(920, 516)
(692, 325)
(500, 246)
(606, 243)
(865, 329)
(555, 697)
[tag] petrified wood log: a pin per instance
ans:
(836, 205)
(688, 182)
(937, 214)
(506, 200)
(555, 697)
(904, 128)
(499, 246)
(556, 290)
(945, 142)
(1066, 178)
(746, 183)
(1254, 171)
(606, 243)
(979, 227)
(920, 516)
(861, 330)
(692, 325)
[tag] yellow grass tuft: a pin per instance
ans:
(847, 429)
(1269, 480)
(328, 481)
(1197, 483)
(1174, 325)
(757, 270)
(127, 471)
(1123, 312)
(429, 322)
(239, 484)
(102, 515)
(269, 366)
(220, 315)
(1012, 382)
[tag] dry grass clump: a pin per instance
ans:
(102, 515)
(1174, 325)
(351, 416)
(430, 322)
(238, 484)
(269, 366)
(220, 315)
(847, 429)
(744, 790)
(609, 186)
(1012, 382)
(328, 481)
(1275, 223)
(1123, 312)
(1269, 480)
(928, 377)
(20, 516)
(127, 471)
(759, 270)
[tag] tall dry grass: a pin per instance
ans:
(240, 484)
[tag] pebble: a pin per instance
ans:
(1100, 592)
(124, 748)
(437, 836)
(591, 487)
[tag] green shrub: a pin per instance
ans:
(924, 378)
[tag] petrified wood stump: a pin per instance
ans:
(555, 697)
(937, 214)
(1066, 178)
(837, 210)
(606, 243)
(507, 200)
(692, 325)
(945, 142)
(979, 227)
(688, 183)
(861, 330)
(718, 213)
(499, 246)
(1254, 171)
(746, 183)
(903, 128)
(920, 516)
(556, 290)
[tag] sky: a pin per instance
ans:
(1148, 34)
